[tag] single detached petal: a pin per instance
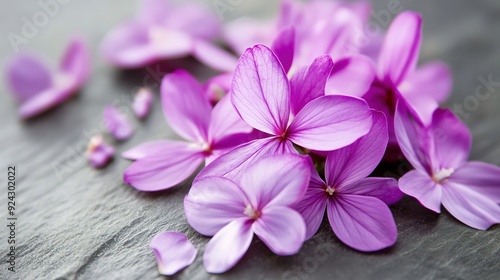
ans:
(330, 122)
(43, 102)
(227, 247)
(399, 53)
(385, 189)
(117, 123)
(269, 182)
(143, 101)
(283, 47)
(481, 177)
(225, 121)
(27, 76)
(173, 251)
(452, 139)
(260, 90)
(362, 222)
(351, 76)
(164, 170)
(470, 207)
(212, 203)
(98, 152)
(308, 83)
(433, 79)
(353, 163)
(213, 56)
(75, 65)
(313, 204)
(421, 186)
(282, 229)
(186, 108)
(153, 148)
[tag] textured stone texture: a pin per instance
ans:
(79, 223)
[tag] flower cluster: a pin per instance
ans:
(292, 129)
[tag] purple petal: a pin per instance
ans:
(470, 207)
(423, 105)
(194, 20)
(308, 83)
(351, 76)
(433, 79)
(213, 56)
(98, 152)
(243, 33)
(143, 101)
(212, 203)
(260, 91)
(330, 122)
(228, 246)
(313, 205)
(283, 47)
(152, 148)
(218, 86)
(173, 251)
(75, 64)
(422, 187)
(186, 108)
(353, 163)
(385, 189)
(282, 229)
(43, 102)
(268, 182)
(362, 222)
(481, 177)
(27, 76)
(225, 121)
(117, 123)
(452, 139)
(399, 53)
(164, 170)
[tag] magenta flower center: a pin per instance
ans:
(329, 190)
(254, 214)
(442, 175)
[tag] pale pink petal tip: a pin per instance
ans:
(117, 123)
(173, 252)
(98, 152)
(143, 101)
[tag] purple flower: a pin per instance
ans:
(356, 206)
(470, 191)
(259, 203)
(173, 252)
(261, 93)
(143, 101)
(37, 89)
(117, 124)
(209, 132)
(397, 77)
(98, 152)
(163, 30)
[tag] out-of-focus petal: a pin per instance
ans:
(153, 148)
(481, 177)
(173, 251)
(195, 20)
(330, 122)
(117, 123)
(75, 63)
(351, 76)
(27, 76)
(143, 101)
(432, 79)
(282, 229)
(399, 53)
(155, 11)
(227, 247)
(385, 189)
(186, 108)
(308, 83)
(214, 56)
(260, 91)
(350, 164)
(313, 205)
(165, 170)
(225, 121)
(98, 152)
(212, 203)
(43, 102)
(422, 187)
(246, 32)
(283, 47)
(217, 87)
(362, 222)
(470, 207)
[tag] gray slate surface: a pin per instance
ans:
(79, 223)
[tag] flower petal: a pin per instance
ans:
(225, 121)
(27, 76)
(470, 207)
(213, 56)
(194, 20)
(228, 246)
(422, 187)
(353, 163)
(330, 122)
(212, 203)
(260, 90)
(98, 152)
(283, 47)
(312, 206)
(268, 182)
(155, 11)
(173, 251)
(43, 102)
(351, 76)
(153, 148)
(308, 83)
(75, 64)
(186, 108)
(362, 222)
(433, 79)
(117, 123)
(218, 86)
(482, 177)
(282, 229)
(385, 189)
(143, 101)
(164, 170)
(399, 53)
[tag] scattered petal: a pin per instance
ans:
(173, 252)
(143, 101)
(98, 152)
(117, 123)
